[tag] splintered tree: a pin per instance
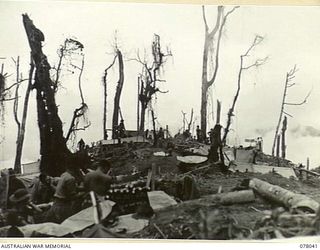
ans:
(149, 78)
(288, 84)
(53, 149)
(211, 59)
(257, 40)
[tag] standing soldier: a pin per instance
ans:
(121, 129)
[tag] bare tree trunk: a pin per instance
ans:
(278, 146)
(17, 166)
(155, 140)
(283, 141)
(191, 119)
(211, 45)
(288, 84)
(104, 79)
(21, 132)
(257, 40)
(231, 110)
(115, 118)
(53, 149)
(142, 117)
(143, 106)
(280, 116)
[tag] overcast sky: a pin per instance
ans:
(291, 37)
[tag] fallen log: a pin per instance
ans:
(244, 196)
(284, 197)
(237, 197)
(308, 171)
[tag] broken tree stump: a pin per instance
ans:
(283, 196)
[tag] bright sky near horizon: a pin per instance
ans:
(291, 36)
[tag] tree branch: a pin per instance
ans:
(257, 40)
(215, 29)
(14, 84)
(287, 114)
(224, 20)
(257, 63)
(204, 19)
(241, 69)
(79, 79)
(8, 99)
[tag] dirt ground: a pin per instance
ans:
(192, 220)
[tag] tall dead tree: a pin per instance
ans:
(150, 77)
(22, 125)
(211, 50)
(53, 149)
(283, 138)
(105, 93)
(257, 40)
(288, 84)
(116, 106)
(15, 105)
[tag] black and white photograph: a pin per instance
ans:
(163, 121)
